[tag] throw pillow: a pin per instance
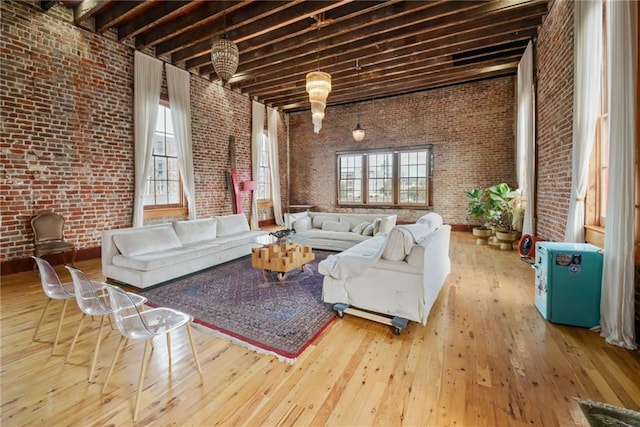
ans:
(319, 219)
(302, 224)
(335, 226)
(195, 230)
(376, 225)
(368, 230)
(148, 240)
(358, 229)
(387, 223)
(231, 224)
(396, 247)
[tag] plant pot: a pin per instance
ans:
(482, 235)
(506, 239)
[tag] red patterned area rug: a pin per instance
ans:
(234, 301)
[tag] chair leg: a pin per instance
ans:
(73, 257)
(75, 338)
(168, 334)
(123, 341)
(193, 349)
(97, 350)
(35, 334)
(55, 341)
(141, 380)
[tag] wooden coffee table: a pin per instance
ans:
(281, 258)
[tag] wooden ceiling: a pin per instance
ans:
(399, 46)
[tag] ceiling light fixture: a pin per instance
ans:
(358, 132)
(225, 56)
(318, 87)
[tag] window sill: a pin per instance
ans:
(163, 213)
(594, 234)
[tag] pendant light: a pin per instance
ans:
(358, 132)
(318, 85)
(225, 56)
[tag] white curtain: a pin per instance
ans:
(272, 131)
(526, 161)
(180, 106)
(257, 133)
(617, 305)
(586, 107)
(146, 97)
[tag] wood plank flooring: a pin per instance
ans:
(485, 358)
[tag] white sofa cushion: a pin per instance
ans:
(335, 226)
(334, 235)
(386, 224)
(395, 248)
(358, 229)
(301, 225)
(196, 230)
(368, 230)
(319, 219)
(147, 240)
(231, 224)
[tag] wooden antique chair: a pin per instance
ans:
(48, 236)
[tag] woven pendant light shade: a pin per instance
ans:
(318, 88)
(225, 57)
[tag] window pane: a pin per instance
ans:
(350, 179)
(414, 173)
(172, 147)
(173, 195)
(161, 168)
(173, 173)
(158, 144)
(380, 178)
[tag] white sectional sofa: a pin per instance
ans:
(337, 231)
(146, 256)
(397, 275)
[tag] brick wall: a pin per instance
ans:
(66, 107)
(555, 120)
(471, 127)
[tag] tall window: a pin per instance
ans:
(596, 200)
(385, 177)
(263, 187)
(350, 181)
(163, 182)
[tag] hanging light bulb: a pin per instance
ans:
(225, 57)
(358, 132)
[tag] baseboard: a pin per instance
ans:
(266, 223)
(26, 264)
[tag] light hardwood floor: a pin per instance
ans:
(485, 358)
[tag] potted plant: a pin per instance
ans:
(477, 210)
(503, 202)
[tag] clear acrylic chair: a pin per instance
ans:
(55, 289)
(93, 300)
(137, 325)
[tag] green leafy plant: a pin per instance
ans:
(501, 206)
(477, 206)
